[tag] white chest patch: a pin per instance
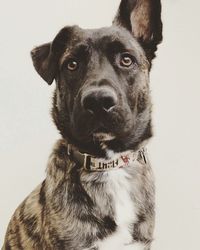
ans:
(119, 188)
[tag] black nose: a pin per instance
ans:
(99, 99)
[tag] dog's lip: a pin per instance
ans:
(100, 129)
(102, 136)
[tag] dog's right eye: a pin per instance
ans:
(72, 65)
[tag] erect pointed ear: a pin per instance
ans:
(143, 19)
(46, 57)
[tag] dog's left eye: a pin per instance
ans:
(126, 60)
(72, 65)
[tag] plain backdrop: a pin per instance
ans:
(27, 133)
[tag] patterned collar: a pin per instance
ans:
(119, 160)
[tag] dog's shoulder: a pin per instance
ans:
(25, 224)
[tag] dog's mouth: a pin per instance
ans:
(119, 131)
(100, 133)
(103, 136)
(93, 129)
(93, 132)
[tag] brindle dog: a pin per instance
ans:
(101, 107)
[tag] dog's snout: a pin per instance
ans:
(99, 99)
(97, 102)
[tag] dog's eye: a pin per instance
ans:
(126, 60)
(72, 65)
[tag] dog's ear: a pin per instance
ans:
(143, 19)
(46, 57)
(43, 62)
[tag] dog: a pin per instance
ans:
(99, 190)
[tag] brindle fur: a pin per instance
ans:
(72, 208)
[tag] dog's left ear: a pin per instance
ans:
(143, 19)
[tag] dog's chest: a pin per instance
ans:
(119, 187)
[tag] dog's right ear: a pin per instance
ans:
(44, 62)
(46, 57)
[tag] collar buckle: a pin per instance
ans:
(87, 161)
(143, 155)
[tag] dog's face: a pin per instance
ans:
(102, 95)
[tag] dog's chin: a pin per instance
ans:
(96, 141)
(95, 136)
(99, 134)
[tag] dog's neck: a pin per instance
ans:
(110, 162)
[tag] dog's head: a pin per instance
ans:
(102, 95)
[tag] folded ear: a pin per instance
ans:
(43, 62)
(46, 57)
(143, 19)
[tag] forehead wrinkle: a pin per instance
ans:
(113, 44)
(123, 39)
(78, 48)
(76, 51)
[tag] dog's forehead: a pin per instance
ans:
(105, 36)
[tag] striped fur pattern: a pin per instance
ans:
(75, 210)
(101, 106)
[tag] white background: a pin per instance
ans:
(27, 133)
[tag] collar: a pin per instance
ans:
(94, 164)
